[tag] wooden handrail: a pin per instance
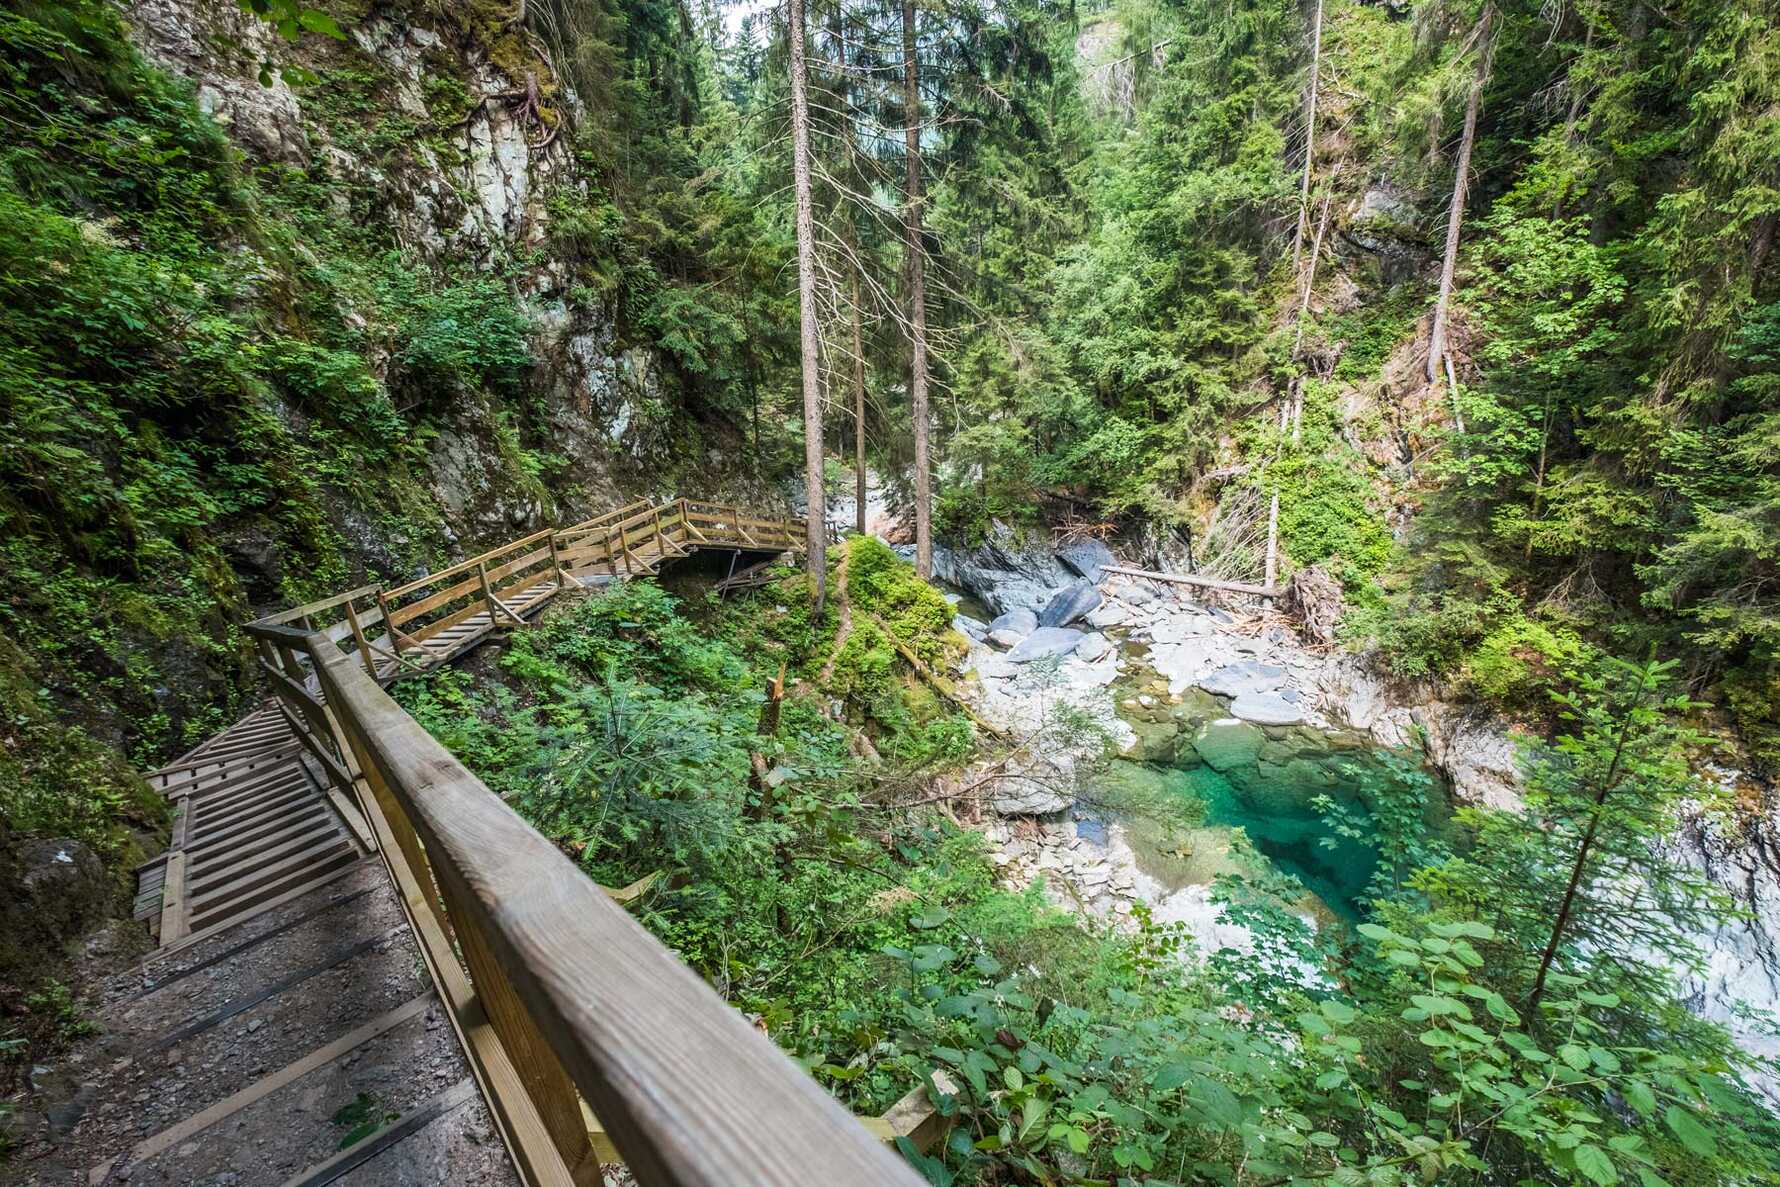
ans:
(691, 1094)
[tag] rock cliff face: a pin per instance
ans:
(479, 181)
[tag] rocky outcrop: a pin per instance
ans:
(1005, 572)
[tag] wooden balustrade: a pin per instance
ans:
(558, 995)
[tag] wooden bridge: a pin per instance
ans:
(309, 826)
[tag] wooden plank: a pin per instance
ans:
(261, 876)
(199, 935)
(692, 1095)
(1240, 587)
(165, 1140)
(176, 920)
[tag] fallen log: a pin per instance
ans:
(1239, 587)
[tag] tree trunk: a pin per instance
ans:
(1455, 217)
(1608, 782)
(1316, 60)
(911, 92)
(858, 413)
(817, 538)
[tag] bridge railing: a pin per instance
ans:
(559, 997)
(419, 623)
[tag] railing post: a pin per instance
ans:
(395, 636)
(624, 547)
(735, 516)
(487, 593)
(358, 636)
(556, 562)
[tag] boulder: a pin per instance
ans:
(1107, 614)
(994, 667)
(1005, 639)
(1046, 641)
(1243, 677)
(1042, 788)
(1086, 558)
(1227, 743)
(1021, 621)
(1266, 708)
(1005, 571)
(1069, 604)
(1138, 595)
(964, 624)
(1092, 648)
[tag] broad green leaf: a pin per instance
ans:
(1696, 1137)
(1594, 1162)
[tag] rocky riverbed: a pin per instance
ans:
(1075, 657)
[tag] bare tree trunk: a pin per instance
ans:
(911, 92)
(817, 538)
(1455, 217)
(1316, 61)
(858, 412)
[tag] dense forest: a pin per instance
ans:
(1455, 323)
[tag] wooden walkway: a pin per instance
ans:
(274, 920)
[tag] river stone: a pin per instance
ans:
(1092, 648)
(1020, 795)
(1266, 708)
(1245, 676)
(966, 625)
(1107, 614)
(1138, 595)
(1046, 641)
(1069, 604)
(1021, 621)
(1179, 628)
(994, 667)
(1086, 558)
(1006, 638)
(1228, 743)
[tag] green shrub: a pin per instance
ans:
(1521, 662)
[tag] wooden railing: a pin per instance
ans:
(590, 1040)
(568, 1009)
(424, 622)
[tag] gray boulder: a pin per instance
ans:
(1046, 641)
(1092, 648)
(1005, 639)
(1086, 558)
(1021, 796)
(1245, 676)
(1005, 571)
(1108, 614)
(1266, 708)
(1021, 621)
(1069, 604)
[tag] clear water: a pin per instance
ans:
(1286, 827)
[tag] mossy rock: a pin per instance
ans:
(1226, 744)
